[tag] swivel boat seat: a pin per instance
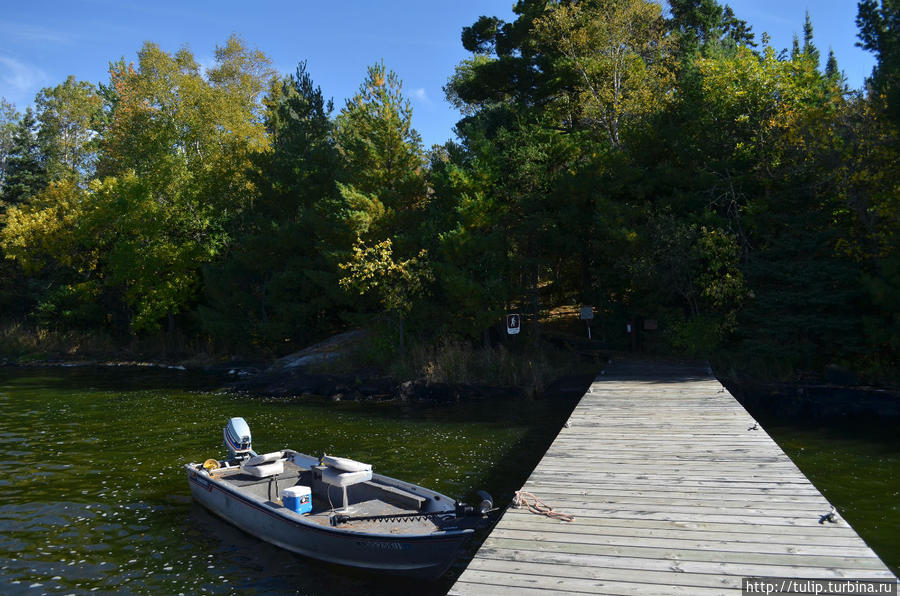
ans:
(343, 472)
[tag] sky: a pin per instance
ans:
(42, 42)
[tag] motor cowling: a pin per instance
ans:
(485, 507)
(487, 502)
(237, 439)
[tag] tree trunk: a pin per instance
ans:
(534, 298)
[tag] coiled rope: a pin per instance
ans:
(539, 507)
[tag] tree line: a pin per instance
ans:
(655, 162)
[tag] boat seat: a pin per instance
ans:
(264, 466)
(339, 477)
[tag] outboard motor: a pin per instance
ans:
(487, 502)
(237, 439)
(484, 508)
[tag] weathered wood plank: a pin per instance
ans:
(489, 579)
(615, 491)
(712, 487)
(676, 489)
(736, 535)
(686, 567)
(741, 509)
(683, 554)
(670, 577)
(687, 541)
(817, 531)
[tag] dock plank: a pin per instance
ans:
(676, 489)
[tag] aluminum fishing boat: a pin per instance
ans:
(334, 509)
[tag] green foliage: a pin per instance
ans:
(394, 283)
(879, 33)
(9, 120)
(279, 272)
(615, 57)
(655, 167)
(69, 116)
(24, 170)
(373, 270)
(705, 24)
(173, 162)
(382, 156)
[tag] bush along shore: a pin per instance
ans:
(342, 367)
(353, 366)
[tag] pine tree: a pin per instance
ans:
(879, 33)
(25, 174)
(832, 71)
(382, 156)
(809, 49)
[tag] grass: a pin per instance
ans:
(531, 368)
(21, 343)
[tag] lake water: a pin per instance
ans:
(93, 496)
(856, 467)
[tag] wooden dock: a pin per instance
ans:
(676, 490)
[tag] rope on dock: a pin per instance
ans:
(539, 507)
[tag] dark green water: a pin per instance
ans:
(93, 496)
(857, 468)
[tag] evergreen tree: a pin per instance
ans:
(383, 199)
(879, 33)
(25, 172)
(9, 120)
(702, 24)
(280, 274)
(809, 48)
(381, 154)
(832, 70)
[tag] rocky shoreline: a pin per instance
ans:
(366, 387)
(291, 376)
(363, 385)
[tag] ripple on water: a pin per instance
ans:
(93, 495)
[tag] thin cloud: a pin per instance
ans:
(35, 34)
(19, 77)
(420, 95)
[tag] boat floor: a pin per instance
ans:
(323, 509)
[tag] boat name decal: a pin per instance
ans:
(382, 545)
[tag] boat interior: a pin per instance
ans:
(363, 502)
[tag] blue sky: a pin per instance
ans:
(43, 42)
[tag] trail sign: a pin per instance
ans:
(587, 315)
(513, 324)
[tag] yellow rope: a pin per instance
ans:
(539, 507)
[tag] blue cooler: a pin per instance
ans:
(297, 498)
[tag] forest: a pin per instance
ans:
(657, 162)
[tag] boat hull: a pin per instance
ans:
(425, 556)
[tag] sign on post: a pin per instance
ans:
(587, 314)
(513, 324)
